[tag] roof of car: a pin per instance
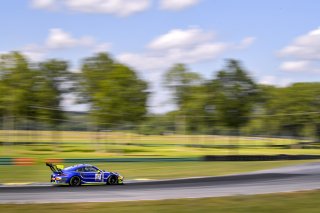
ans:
(81, 165)
(77, 166)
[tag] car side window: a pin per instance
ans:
(80, 169)
(90, 169)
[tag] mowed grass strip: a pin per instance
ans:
(41, 152)
(128, 137)
(298, 202)
(70, 144)
(147, 170)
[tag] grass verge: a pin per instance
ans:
(298, 202)
(147, 170)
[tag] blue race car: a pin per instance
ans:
(82, 174)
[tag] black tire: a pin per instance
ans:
(75, 181)
(112, 180)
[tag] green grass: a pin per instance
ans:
(148, 170)
(109, 144)
(114, 144)
(106, 151)
(298, 202)
(125, 137)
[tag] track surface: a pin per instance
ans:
(285, 179)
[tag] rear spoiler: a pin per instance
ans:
(55, 168)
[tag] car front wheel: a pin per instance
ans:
(112, 180)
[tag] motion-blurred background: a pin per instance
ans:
(156, 88)
(229, 114)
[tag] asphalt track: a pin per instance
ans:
(285, 179)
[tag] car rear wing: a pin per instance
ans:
(55, 168)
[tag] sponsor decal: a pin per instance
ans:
(98, 177)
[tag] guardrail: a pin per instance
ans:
(17, 161)
(6, 161)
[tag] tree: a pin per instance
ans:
(260, 122)
(199, 110)
(295, 108)
(16, 83)
(53, 81)
(94, 70)
(186, 87)
(235, 93)
(29, 89)
(179, 79)
(115, 93)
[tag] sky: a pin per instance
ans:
(277, 41)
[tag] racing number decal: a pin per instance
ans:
(98, 177)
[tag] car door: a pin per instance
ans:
(91, 174)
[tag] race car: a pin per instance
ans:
(82, 174)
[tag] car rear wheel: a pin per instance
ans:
(75, 181)
(112, 180)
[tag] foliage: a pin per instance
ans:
(235, 94)
(228, 99)
(16, 85)
(31, 91)
(114, 91)
(180, 79)
(199, 110)
(294, 107)
(192, 98)
(159, 124)
(53, 81)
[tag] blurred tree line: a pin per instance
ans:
(33, 93)
(232, 102)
